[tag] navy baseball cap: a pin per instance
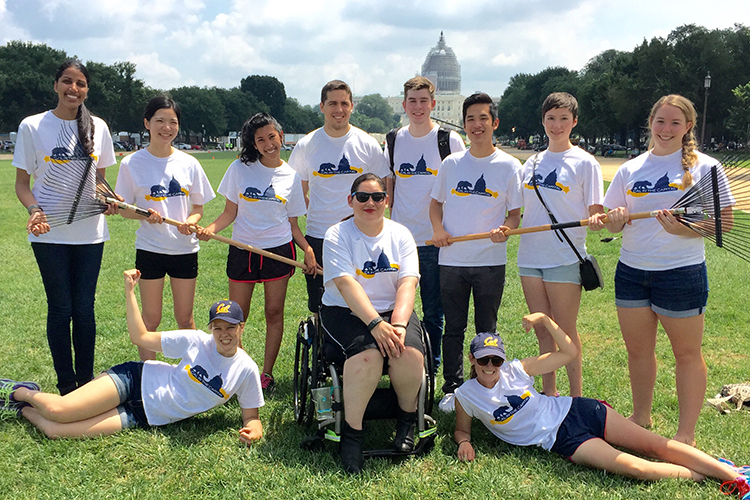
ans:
(228, 310)
(487, 344)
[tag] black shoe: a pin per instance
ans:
(404, 440)
(350, 448)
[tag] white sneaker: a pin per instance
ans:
(448, 403)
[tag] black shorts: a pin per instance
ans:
(154, 266)
(347, 335)
(586, 419)
(315, 283)
(249, 267)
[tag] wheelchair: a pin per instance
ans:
(318, 395)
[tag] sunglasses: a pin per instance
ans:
(362, 197)
(496, 360)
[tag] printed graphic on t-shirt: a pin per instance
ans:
(407, 170)
(254, 194)
(644, 187)
(504, 414)
(329, 169)
(383, 265)
(199, 375)
(549, 182)
(161, 193)
(67, 147)
(466, 188)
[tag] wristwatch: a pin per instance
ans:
(374, 323)
(32, 208)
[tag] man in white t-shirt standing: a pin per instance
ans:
(328, 160)
(476, 191)
(422, 146)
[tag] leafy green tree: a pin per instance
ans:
(268, 90)
(117, 96)
(375, 107)
(27, 72)
(201, 110)
(300, 119)
(238, 107)
(739, 114)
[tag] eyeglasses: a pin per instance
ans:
(496, 360)
(362, 197)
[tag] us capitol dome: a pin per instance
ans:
(442, 68)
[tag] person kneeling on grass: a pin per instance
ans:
(151, 393)
(501, 395)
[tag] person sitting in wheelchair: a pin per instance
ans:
(371, 273)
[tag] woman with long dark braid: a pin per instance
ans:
(69, 256)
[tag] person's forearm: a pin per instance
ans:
(404, 306)
(356, 298)
(136, 328)
(564, 344)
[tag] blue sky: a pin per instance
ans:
(373, 45)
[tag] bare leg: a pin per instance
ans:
(406, 376)
(536, 300)
(275, 292)
(565, 300)
(362, 373)
(101, 425)
(242, 293)
(686, 336)
(638, 326)
(152, 292)
(183, 294)
(90, 400)
(624, 433)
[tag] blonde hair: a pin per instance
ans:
(689, 156)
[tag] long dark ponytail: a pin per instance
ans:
(84, 121)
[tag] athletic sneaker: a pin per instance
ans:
(448, 403)
(737, 487)
(267, 383)
(8, 405)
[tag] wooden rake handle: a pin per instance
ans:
(145, 213)
(546, 227)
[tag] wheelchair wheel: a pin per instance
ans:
(301, 373)
(430, 371)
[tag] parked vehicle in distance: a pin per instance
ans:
(122, 146)
(182, 145)
(8, 146)
(196, 146)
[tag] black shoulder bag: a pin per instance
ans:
(591, 275)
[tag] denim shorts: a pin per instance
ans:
(586, 419)
(127, 379)
(570, 273)
(676, 293)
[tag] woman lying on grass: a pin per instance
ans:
(151, 393)
(501, 394)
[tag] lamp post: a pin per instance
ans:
(706, 85)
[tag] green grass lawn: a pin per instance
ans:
(202, 457)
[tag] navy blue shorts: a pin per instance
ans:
(676, 293)
(586, 420)
(127, 379)
(154, 266)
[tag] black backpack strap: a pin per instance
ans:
(444, 143)
(390, 140)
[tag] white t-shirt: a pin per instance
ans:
(202, 380)
(330, 165)
(265, 198)
(377, 263)
(476, 194)
(513, 410)
(171, 186)
(47, 144)
(416, 162)
(569, 182)
(648, 183)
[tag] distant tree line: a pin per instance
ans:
(616, 89)
(26, 80)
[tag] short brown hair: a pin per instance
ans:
(419, 83)
(334, 85)
(560, 100)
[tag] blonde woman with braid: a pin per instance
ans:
(661, 276)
